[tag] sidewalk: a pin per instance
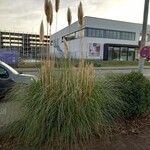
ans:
(120, 68)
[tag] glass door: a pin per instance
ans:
(110, 51)
(131, 54)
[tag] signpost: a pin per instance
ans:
(145, 51)
(144, 29)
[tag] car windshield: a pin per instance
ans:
(9, 68)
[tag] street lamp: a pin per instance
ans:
(144, 29)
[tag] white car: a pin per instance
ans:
(9, 76)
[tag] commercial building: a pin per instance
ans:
(28, 45)
(102, 39)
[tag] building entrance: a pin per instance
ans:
(120, 52)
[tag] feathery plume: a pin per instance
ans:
(41, 32)
(50, 12)
(80, 14)
(57, 2)
(46, 7)
(69, 16)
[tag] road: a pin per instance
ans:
(146, 72)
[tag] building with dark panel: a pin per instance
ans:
(102, 39)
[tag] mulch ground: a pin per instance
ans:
(129, 135)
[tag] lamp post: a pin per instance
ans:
(144, 29)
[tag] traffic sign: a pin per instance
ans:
(145, 51)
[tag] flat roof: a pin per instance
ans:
(113, 20)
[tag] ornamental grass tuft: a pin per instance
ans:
(65, 108)
(134, 91)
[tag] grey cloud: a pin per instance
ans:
(30, 12)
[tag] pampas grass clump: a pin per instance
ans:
(64, 108)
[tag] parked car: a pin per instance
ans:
(9, 76)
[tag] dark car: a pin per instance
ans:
(9, 76)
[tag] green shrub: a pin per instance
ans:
(65, 107)
(135, 92)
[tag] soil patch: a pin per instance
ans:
(128, 135)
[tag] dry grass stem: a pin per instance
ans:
(69, 16)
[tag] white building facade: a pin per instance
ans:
(101, 39)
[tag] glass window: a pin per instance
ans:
(123, 54)
(122, 35)
(3, 73)
(101, 33)
(131, 54)
(111, 34)
(110, 51)
(116, 35)
(133, 36)
(116, 53)
(89, 32)
(106, 33)
(93, 33)
(128, 35)
(97, 33)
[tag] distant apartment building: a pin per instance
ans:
(101, 39)
(28, 45)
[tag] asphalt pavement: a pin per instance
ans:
(35, 71)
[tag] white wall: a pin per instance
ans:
(91, 22)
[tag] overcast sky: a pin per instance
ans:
(26, 15)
